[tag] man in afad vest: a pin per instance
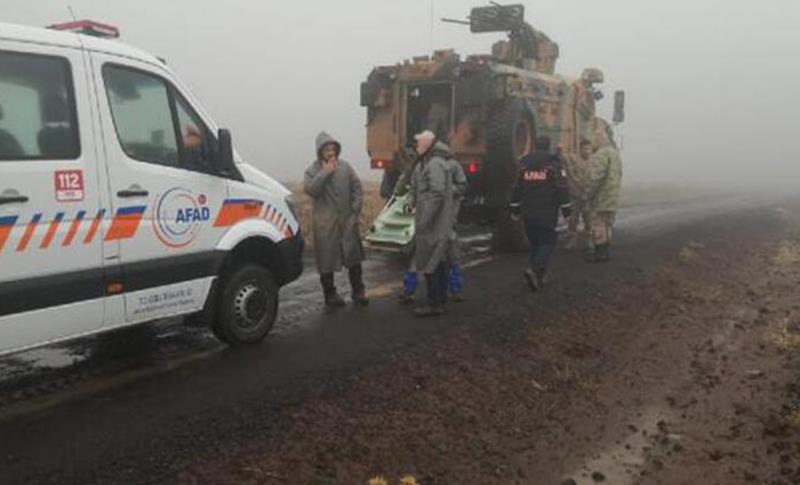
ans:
(540, 192)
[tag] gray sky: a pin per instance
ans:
(712, 84)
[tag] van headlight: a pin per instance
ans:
(291, 203)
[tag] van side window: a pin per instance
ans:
(140, 105)
(196, 140)
(37, 108)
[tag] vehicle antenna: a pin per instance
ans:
(72, 13)
(433, 11)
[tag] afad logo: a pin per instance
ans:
(179, 216)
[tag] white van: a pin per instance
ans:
(122, 202)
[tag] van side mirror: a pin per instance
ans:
(224, 159)
(619, 107)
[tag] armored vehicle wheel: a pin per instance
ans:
(510, 136)
(248, 305)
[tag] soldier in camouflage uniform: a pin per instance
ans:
(577, 167)
(604, 186)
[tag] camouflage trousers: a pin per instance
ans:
(580, 212)
(602, 227)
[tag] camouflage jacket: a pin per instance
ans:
(578, 175)
(605, 179)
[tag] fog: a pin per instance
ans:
(712, 84)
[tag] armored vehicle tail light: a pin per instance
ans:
(381, 164)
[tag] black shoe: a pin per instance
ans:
(429, 311)
(360, 298)
(532, 279)
(541, 278)
(334, 300)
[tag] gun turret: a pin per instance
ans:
(526, 48)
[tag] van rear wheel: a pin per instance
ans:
(248, 305)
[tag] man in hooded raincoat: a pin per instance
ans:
(455, 282)
(338, 199)
(434, 200)
(605, 182)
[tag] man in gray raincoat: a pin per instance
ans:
(433, 198)
(338, 199)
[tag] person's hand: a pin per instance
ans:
(329, 165)
(514, 217)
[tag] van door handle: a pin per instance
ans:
(129, 194)
(14, 199)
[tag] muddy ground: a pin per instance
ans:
(677, 363)
(686, 372)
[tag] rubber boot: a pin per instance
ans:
(357, 284)
(332, 298)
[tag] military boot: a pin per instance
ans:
(572, 242)
(602, 254)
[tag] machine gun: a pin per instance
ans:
(526, 48)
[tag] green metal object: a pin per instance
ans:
(393, 229)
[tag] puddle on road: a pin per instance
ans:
(647, 443)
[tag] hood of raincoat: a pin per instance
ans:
(439, 149)
(324, 139)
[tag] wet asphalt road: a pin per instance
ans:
(125, 407)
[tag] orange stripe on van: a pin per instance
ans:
(125, 223)
(6, 226)
(73, 229)
(30, 229)
(235, 210)
(94, 227)
(51, 231)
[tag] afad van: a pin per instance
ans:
(122, 202)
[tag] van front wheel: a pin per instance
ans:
(248, 305)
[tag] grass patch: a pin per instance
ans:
(784, 337)
(788, 254)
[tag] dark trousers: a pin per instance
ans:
(437, 286)
(542, 239)
(356, 280)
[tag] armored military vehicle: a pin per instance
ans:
(489, 108)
